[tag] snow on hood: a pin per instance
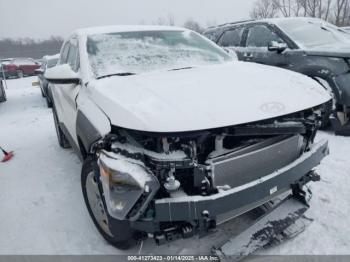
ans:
(204, 97)
(339, 50)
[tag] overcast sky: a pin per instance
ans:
(43, 18)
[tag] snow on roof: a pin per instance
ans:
(276, 20)
(285, 19)
(125, 28)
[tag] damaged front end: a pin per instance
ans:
(178, 184)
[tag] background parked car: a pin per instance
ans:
(19, 67)
(306, 45)
(47, 62)
(2, 92)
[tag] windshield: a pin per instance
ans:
(138, 52)
(312, 33)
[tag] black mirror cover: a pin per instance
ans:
(74, 81)
(277, 47)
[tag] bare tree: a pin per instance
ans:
(264, 9)
(210, 23)
(327, 10)
(193, 25)
(28, 47)
(341, 9)
(285, 7)
(335, 11)
(167, 20)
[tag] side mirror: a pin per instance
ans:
(277, 47)
(62, 74)
(38, 71)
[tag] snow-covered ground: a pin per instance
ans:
(42, 209)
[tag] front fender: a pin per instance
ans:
(343, 84)
(331, 69)
(328, 76)
(92, 123)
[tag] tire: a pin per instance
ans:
(42, 93)
(3, 92)
(20, 73)
(326, 123)
(116, 232)
(62, 140)
(48, 97)
(48, 102)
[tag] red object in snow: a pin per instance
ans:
(19, 67)
(7, 155)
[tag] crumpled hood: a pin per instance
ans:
(204, 97)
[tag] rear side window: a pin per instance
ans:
(261, 36)
(231, 37)
(213, 34)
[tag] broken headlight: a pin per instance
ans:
(127, 184)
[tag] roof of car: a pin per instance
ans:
(125, 28)
(269, 20)
(283, 19)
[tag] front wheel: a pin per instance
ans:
(116, 232)
(48, 102)
(42, 92)
(62, 140)
(326, 123)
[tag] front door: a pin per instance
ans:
(257, 39)
(232, 39)
(65, 104)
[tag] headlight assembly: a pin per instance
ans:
(127, 184)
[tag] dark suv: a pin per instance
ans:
(306, 45)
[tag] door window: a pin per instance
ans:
(64, 54)
(72, 57)
(261, 36)
(231, 37)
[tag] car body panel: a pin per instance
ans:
(91, 124)
(204, 97)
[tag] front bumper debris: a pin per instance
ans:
(242, 198)
(284, 221)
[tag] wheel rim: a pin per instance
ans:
(96, 203)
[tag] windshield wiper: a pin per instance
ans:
(116, 74)
(181, 68)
